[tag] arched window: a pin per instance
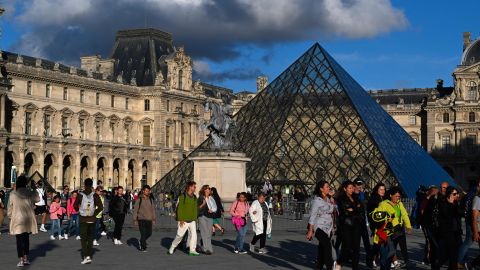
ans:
(472, 90)
(446, 118)
(471, 117)
(180, 79)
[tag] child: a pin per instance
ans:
(56, 211)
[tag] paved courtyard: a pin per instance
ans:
(286, 250)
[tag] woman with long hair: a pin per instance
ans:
(321, 224)
(378, 195)
(218, 214)
(350, 218)
(206, 209)
(22, 217)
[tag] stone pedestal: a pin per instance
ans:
(225, 171)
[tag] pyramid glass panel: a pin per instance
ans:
(315, 122)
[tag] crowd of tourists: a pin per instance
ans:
(340, 220)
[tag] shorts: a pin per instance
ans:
(39, 210)
(216, 221)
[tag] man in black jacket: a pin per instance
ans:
(118, 209)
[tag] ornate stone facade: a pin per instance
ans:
(124, 120)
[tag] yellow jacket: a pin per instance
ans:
(401, 215)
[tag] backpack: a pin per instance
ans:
(87, 207)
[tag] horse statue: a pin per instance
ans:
(219, 125)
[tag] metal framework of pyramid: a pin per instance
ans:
(315, 122)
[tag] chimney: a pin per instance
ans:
(467, 39)
(262, 82)
(90, 63)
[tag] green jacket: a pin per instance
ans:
(187, 208)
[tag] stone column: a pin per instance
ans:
(124, 181)
(3, 148)
(2, 116)
(76, 171)
(59, 170)
(176, 131)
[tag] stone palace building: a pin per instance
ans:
(129, 119)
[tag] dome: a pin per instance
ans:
(471, 55)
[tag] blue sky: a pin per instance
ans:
(413, 53)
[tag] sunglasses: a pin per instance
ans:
(455, 194)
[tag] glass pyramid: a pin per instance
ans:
(315, 122)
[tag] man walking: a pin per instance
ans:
(144, 216)
(88, 204)
(187, 215)
(118, 209)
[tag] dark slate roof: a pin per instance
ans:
(409, 96)
(214, 91)
(141, 53)
(49, 65)
(471, 55)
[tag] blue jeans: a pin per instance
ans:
(462, 252)
(96, 230)
(56, 223)
(73, 225)
(240, 238)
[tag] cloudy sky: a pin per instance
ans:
(382, 43)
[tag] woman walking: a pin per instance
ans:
(321, 224)
(350, 219)
(261, 223)
(218, 214)
(378, 195)
(22, 217)
(239, 213)
(72, 214)
(56, 211)
(450, 229)
(206, 209)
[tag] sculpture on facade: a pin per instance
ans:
(220, 124)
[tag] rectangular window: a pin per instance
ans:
(112, 101)
(147, 105)
(127, 133)
(167, 136)
(126, 103)
(29, 87)
(446, 118)
(112, 129)
(97, 98)
(65, 93)
(168, 105)
(445, 143)
(146, 135)
(413, 120)
(47, 125)
(28, 123)
(65, 129)
(181, 107)
(182, 134)
(81, 123)
(82, 96)
(48, 91)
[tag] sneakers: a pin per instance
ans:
(117, 242)
(65, 236)
(26, 262)
(60, 237)
(235, 251)
(78, 238)
(262, 251)
(95, 243)
(103, 234)
(242, 252)
(52, 237)
(252, 248)
(170, 251)
(193, 253)
(42, 228)
(20, 264)
(87, 260)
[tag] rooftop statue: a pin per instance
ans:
(220, 124)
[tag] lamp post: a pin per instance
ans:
(74, 182)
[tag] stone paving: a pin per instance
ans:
(287, 249)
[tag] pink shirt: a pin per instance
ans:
(56, 210)
(70, 209)
(239, 209)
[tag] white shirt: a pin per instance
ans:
(41, 193)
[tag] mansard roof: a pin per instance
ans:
(141, 54)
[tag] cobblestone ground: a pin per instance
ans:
(286, 250)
